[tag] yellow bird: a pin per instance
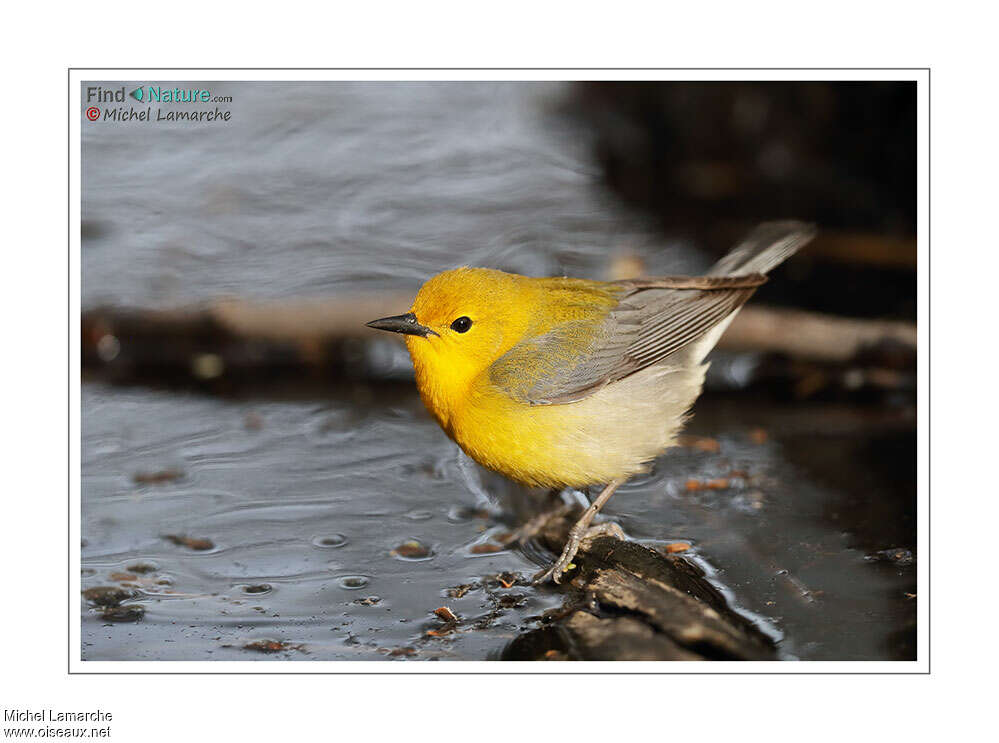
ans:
(561, 382)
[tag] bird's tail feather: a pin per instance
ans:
(766, 247)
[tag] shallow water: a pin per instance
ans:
(303, 509)
(304, 502)
(307, 497)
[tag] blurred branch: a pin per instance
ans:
(307, 319)
(865, 249)
(236, 337)
(870, 249)
(809, 335)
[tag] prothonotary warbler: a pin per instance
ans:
(561, 382)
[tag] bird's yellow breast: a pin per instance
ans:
(526, 443)
(611, 434)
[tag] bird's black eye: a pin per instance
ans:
(462, 324)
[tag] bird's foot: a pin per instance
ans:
(576, 538)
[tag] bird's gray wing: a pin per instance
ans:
(653, 319)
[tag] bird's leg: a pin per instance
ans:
(580, 531)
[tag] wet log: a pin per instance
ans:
(629, 602)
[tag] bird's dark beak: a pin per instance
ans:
(402, 324)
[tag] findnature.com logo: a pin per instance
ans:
(154, 94)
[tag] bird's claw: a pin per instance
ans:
(564, 563)
(554, 573)
(542, 576)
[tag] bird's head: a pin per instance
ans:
(461, 322)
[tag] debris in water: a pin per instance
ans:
(445, 614)
(157, 478)
(720, 483)
(130, 613)
(508, 579)
(450, 620)
(675, 547)
(270, 646)
(397, 652)
(195, 543)
(368, 601)
(458, 592)
(412, 549)
(459, 514)
(486, 548)
(107, 595)
(141, 568)
(353, 582)
(511, 601)
(258, 588)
